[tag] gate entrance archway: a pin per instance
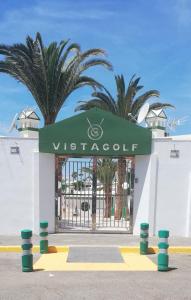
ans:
(105, 202)
(77, 203)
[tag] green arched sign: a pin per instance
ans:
(95, 133)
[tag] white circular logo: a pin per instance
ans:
(95, 131)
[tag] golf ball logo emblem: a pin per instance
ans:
(95, 131)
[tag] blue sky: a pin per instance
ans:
(151, 39)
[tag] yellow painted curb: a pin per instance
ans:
(123, 249)
(10, 249)
(35, 249)
(179, 250)
(55, 249)
(135, 249)
(154, 250)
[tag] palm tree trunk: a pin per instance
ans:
(48, 120)
(121, 172)
(108, 200)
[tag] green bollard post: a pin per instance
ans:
(27, 257)
(144, 238)
(163, 245)
(44, 236)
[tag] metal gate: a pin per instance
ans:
(95, 194)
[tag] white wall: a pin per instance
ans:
(173, 189)
(27, 185)
(44, 190)
(146, 169)
(16, 189)
(162, 195)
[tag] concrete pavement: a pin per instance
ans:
(94, 239)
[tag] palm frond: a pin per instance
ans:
(95, 62)
(107, 99)
(140, 101)
(85, 80)
(125, 104)
(106, 169)
(159, 105)
(50, 73)
(92, 103)
(93, 52)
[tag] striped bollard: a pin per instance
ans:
(144, 238)
(43, 236)
(163, 245)
(27, 257)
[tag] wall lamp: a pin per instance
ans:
(174, 153)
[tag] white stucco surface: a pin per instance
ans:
(146, 176)
(16, 188)
(44, 190)
(162, 195)
(27, 181)
(173, 186)
(141, 192)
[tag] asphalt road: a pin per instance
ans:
(175, 284)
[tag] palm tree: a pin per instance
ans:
(50, 73)
(126, 104)
(105, 172)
